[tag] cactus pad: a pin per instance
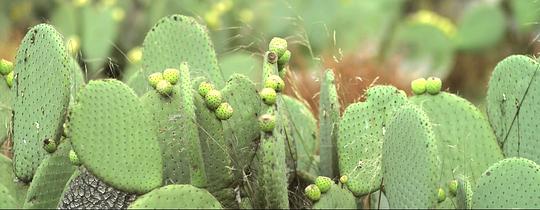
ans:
(410, 162)
(7, 201)
(328, 123)
(177, 39)
(510, 183)
(41, 95)
(114, 138)
(85, 191)
(16, 190)
(512, 106)
(336, 198)
(177, 196)
(361, 133)
(464, 193)
(51, 176)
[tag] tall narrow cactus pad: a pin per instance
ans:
(177, 39)
(177, 133)
(328, 123)
(301, 129)
(512, 106)
(15, 189)
(361, 135)
(41, 89)
(85, 191)
(51, 176)
(114, 138)
(242, 129)
(216, 153)
(511, 183)
(410, 163)
(466, 143)
(336, 198)
(6, 100)
(178, 197)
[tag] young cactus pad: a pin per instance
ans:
(178, 197)
(328, 123)
(361, 133)
(336, 198)
(410, 162)
(110, 131)
(41, 95)
(512, 106)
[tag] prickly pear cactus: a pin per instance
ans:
(16, 190)
(512, 106)
(6, 101)
(509, 183)
(114, 138)
(177, 132)
(411, 166)
(7, 200)
(85, 191)
(175, 39)
(177, 196)
(51, 176)
(459, 124)
(337, 197)
(41, 95)
(464, 193)
(361, 136)
(328, 124)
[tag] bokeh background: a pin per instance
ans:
(366, 42)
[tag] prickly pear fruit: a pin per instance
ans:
(275, 82)
(5, 67)
(213, 99)
(268, 96)
(324, 183)
(313, 192)
(73, 158)
(154, 79)
(164, 88)
(49, 145)
(171, 75)
(135, 55)
(278, 46)
(284, 59)
(452, 187)
(433, 85)
(418, 86)
(224, 111)
(441, 195)
(204, 87)
(343, 179)
(267, 122)
(9, 79)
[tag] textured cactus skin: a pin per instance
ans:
(460, 124)
(512, 106)
(411, 166)
(361, 134)
(6, 198)
(328, 124)
(301, 130)
(85, 191)
(175, 39)
(336, 198)
(6, 100)
(50, 178)
(177, 196)
(16, 190)
(464, 193)
(509, 183)
(41, 95)
(109, 123)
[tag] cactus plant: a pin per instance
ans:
(328, 122)
(177, 196)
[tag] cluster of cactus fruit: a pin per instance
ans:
(170, 139)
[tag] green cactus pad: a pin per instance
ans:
(51, 176)
(242, 94)
(7, 179)
(464, 193)
(7, 201)
(512, 106)
(85, 191)
(173, 40)
(6, 100)
(328, 123)
(511, 183)
(475, 21)
(114, 137)
(361, 133)
(301, 130)
(336, 198)
(466, 143)
(41, 96)
(178, 197)
(377, 200)
(410, 163)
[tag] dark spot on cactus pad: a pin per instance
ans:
(488, 173)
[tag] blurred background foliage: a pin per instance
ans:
(366, 42)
